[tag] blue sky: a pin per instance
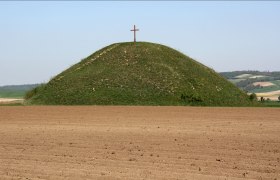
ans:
(40, 39)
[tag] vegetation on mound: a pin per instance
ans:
(138, 74)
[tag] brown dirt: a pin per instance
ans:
(47, 142)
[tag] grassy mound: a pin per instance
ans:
(138, 74)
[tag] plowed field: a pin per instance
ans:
(94, 142)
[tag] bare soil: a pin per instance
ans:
(94, 142)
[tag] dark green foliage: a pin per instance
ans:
(191, 99)
(253, 97)
(33, 92)
(139, 74)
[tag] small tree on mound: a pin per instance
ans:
(253, 97)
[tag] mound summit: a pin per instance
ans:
(139, 73)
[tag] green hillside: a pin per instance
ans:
(138, 74)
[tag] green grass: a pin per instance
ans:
(138, 74)
(266, 89)
(271, 104)
(12, 94)
(277, 83)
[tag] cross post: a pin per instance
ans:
(134, 29)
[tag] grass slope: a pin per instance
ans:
(138, 74)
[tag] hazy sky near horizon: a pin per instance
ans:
(40, 39)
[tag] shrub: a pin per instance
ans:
(30, 93)
(253, 97)
(190, 98)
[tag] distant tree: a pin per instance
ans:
(262, 99)
(253, 97)
(279, 98)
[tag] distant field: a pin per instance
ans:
(264, 84)
(10, 100)
(266, 89)
(15, 91)
(234, 81)
(272, 95)
(267, 86)
(242, 76)
(12, 94)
